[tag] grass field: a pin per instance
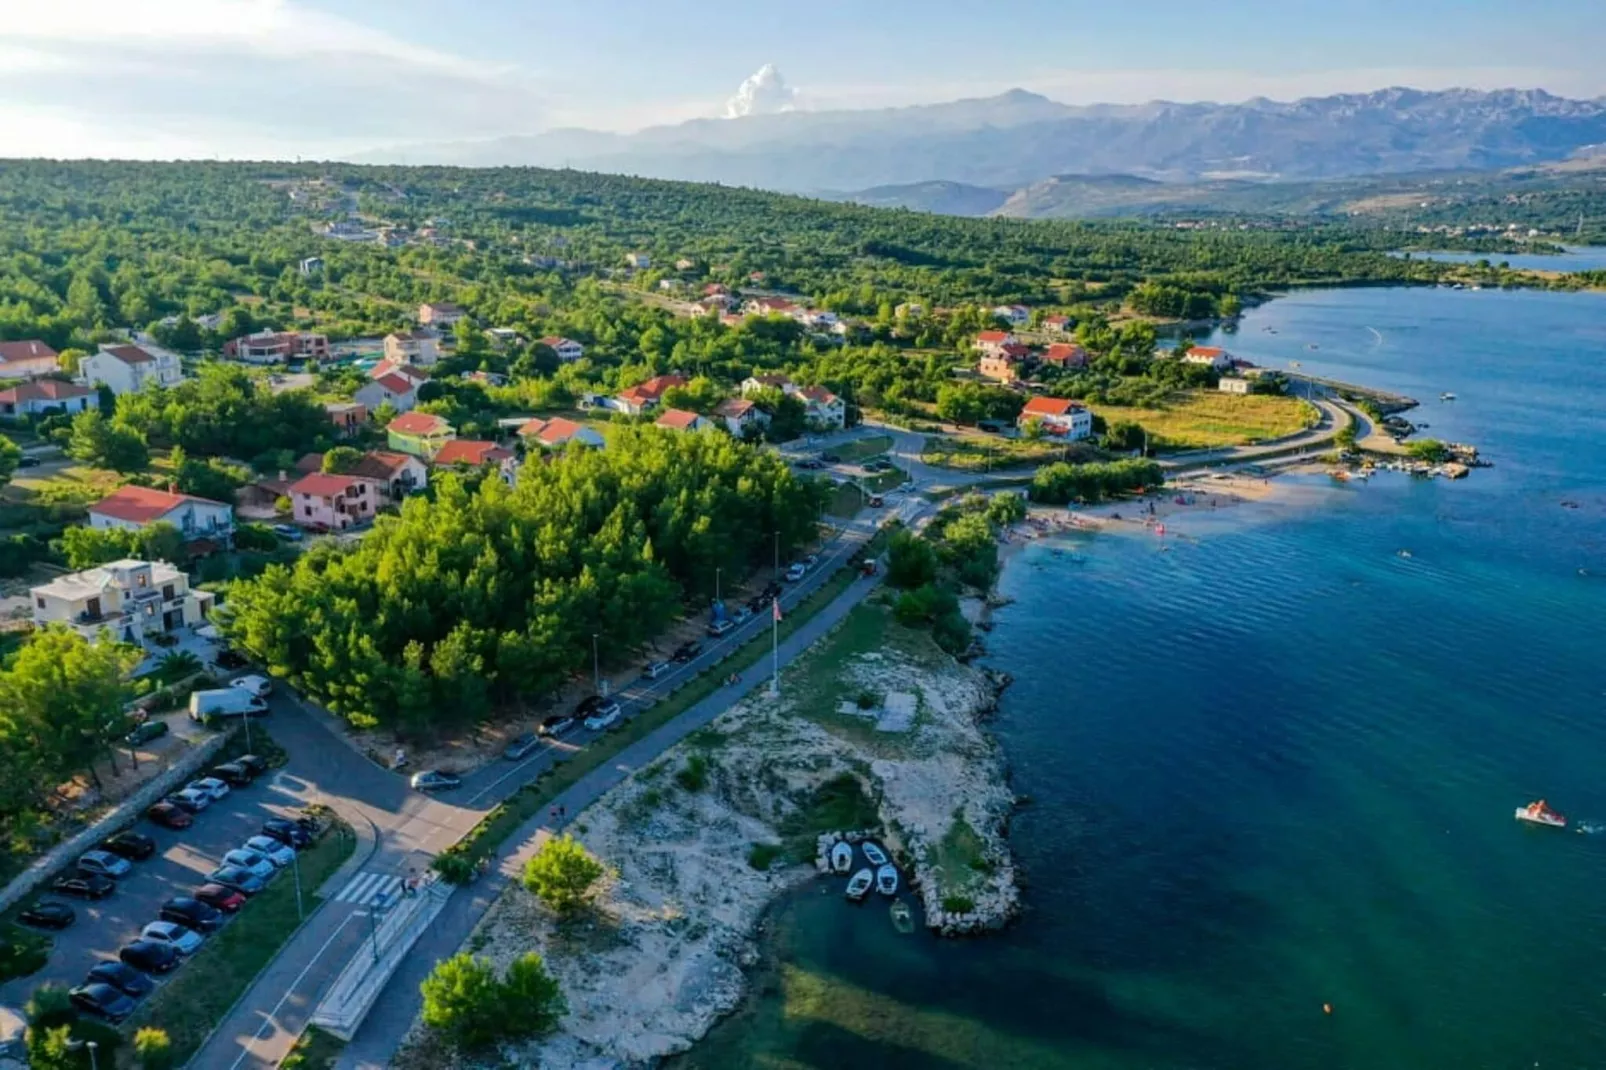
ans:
(1199, 419)
(982, 452)
(862, 449)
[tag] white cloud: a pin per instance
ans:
(764, 92)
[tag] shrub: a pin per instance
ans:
(958, 904)
(153, 1049)
(867, 700)
(761, 856)
(562, 873)
(693, 776)
(472, 1009)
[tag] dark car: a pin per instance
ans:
(131, 845)
(191, 913)
(103, 1001)
(48, 915)
(151, 956)
(233, 774)
(228, 659)
(556, 725)
(169, 816)
(810, 464)
(144, 733)
(121, 976)
(686, 652)
(286, 832)
(239, 878)
(253, 764)
(84, 886)
(522, 747)
(216, 895)
(27, 461)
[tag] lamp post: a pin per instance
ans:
(596, 666)
(717, 571)
(295, 865)
(94, 1062)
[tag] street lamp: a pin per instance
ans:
(596, 670)
(295, 864)
(717, 571)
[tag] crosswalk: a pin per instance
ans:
(365, 889)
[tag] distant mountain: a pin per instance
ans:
(939, 198)
(1017, 139)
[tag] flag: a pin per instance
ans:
(776, 604)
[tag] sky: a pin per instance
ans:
(279, 79)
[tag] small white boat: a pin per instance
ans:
(1537, 813)
(874, 853)
(841, 857)
(1446, 396)
(886, 880)
(859, 884)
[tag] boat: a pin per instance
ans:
(886, 880)
(1537, 813)
(903, 918)
(1446, 396)
(841, 857)
(874, 853)
(859, 884)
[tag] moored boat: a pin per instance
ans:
(874, 853)
(902, 917)
(886, 880)
(859, 884)
(841, 857)
(1538, 813)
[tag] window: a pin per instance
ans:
(142, 580)
(39, 603)
(167, 592)
(306, 510)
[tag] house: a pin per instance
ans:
(769, 306)
(909, 310)
(558, 432)
(25, 360)
(1217, 358)
(471, 453)
(993, 343)
(325, 501)
(639, 261)
(411, 371)
(439, 314)
(420, 347)
(502, 337)
(1058, 416)
(127, 369)
(1014, 315)
(419, 434)
(394, 475)
(394, 389)
(129, 599)
(485, 378)
(824, 410)
(681, 420)
(742, 417)
(817, 319)
(41, 397)
(276, 347)
(567, 349)
(1005, 365)
(134, 508)
(685, 264)
(1058, 324)
(716, 289)
(347, 416)
(644, 397)
(1065, 355)
(312, 265)
(1233, 384)
(754, 384)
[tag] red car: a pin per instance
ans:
(169, 816)
(216, 895)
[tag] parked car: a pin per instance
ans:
(103, 1001)
(169, 815)
(254, 764)
(241, 880)
(28, 460)
(135, 846)
(187, 941)
(811, 560)
(260, 686)
(121, 976)
(720, 627)
(191, 913)
(598, 712)
(772, 590)
(831, 458)
(84, 886)
(192, 799)
(234, 774)
(796, 572)
(286, 832)
(556, 725)
(272, 850)
(103, 864)
(220, 896)
(876, 501)
(434, 780)
(255, 863)
(211, 785)
(225, 703)
(522, 747)
(654, 670)
(686, 652)
(907, 486)
(146, 731)
(150, 956)
(45, 915)
(228, 659)
(288, 532)
(742, 615)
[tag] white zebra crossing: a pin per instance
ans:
(366, 888)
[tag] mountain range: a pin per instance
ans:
(976, 150)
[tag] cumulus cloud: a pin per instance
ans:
(764, 92)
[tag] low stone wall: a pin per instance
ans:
(64, 853)
(353, 994)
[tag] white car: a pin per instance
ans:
(260, 686)
(192, 799)
(253, 862)
(184, 941)
(214, 787)
(279, 854)
(796, 572)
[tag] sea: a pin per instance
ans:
(1269, 762)
(1571, 258)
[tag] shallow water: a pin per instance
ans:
(1576, 258)
(1273, 761)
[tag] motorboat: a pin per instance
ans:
(841, 857)
(859, 884)
(1447, 396)
(902, 917)
(1537, 813)
(874, 854)
(886, 880)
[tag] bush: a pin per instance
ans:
(761, 856)
(255, 537)
(1060, 484)
(867, 700)
(464, 1000)
(693, 776)
(911, 561)
(153, 1049)
(958, 904)
(1430, 450)
(562, 873)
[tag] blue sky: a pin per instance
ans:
(317, 77)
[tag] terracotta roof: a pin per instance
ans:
(141, 505)
(129, 354)
(679, 419)
(779, 381)
(397, 383)
(11, 352)
(1015, 350)
(310, 462)
(1055, 319)
(553, 341)
(1050, 407)
(323, 484)
(736, 407)
(1065, 353)
(380, 464)
(44, 390)
(557, 430)
(471, 452)
(1206, 351)
(819, 394)
(992, 337)
(418, 423)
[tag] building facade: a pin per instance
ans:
(128, 599)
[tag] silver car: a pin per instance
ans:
(253, 862)
(279, 854)
(184, 941)
(103, 864)
(211, 785)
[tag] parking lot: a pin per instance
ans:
(182, 860)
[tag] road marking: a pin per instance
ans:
(366, 888)
(269, 1022)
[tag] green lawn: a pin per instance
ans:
(862, 449)
(982, 452)
(1199, 419)
(201, 992)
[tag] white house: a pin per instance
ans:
(1058, 416)
(1233, 384)
(995, 343)
(41, 397)
(753, 384)
(826, 411)
(557, 433)
(136, 508)
(817, 319)
(1217, 358)
(1058, 324)
(741, 416)
(1014, 315)
(639, 261)
(130, 599)
(567, 349)
(439, 314)
(25, 360)
(682, 420)
(421, 347)
(393, 388)
(127, 369)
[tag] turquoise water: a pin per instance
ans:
(1273, 762)
(1576, 258)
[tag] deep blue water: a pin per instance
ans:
(1273, 762)
(1576, 258)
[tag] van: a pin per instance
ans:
(225, 702)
